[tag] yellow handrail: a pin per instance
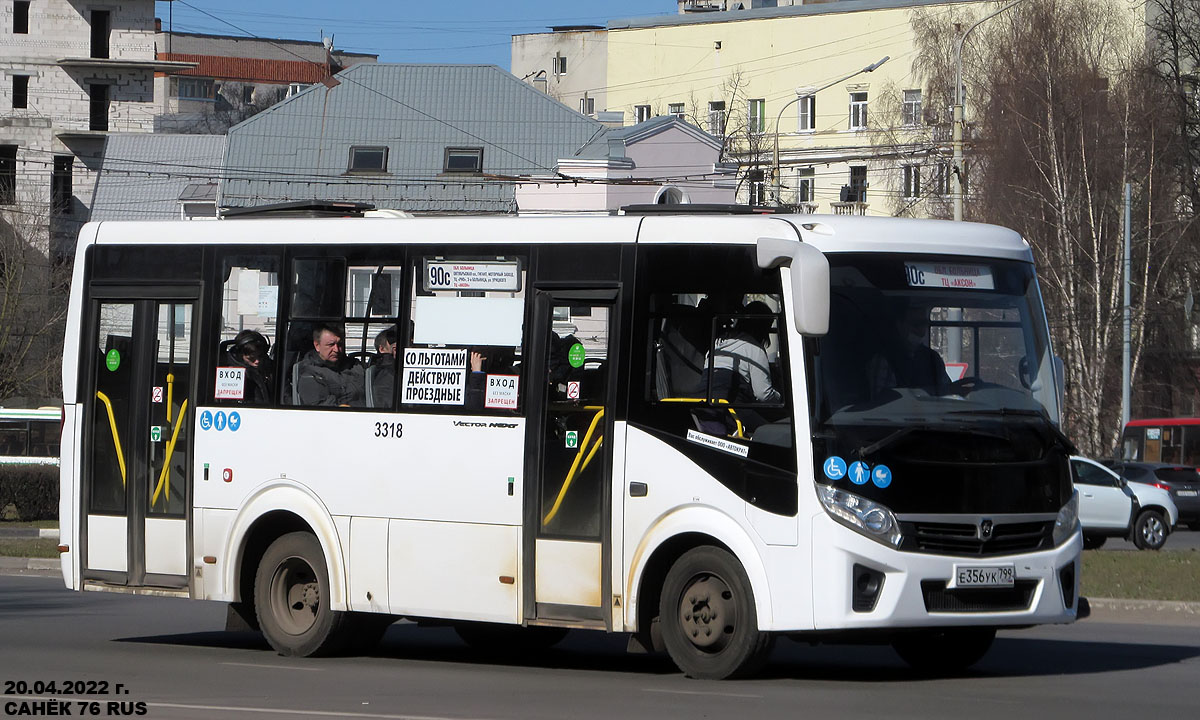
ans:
(165, 475)
(112, 424)
(739, 433)
(170, 392)
(575, 467)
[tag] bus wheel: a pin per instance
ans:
(291, 595)
(1150, 530)
(707, 617)
(944, 652)
(509, 639)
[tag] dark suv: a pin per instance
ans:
(1182, 481)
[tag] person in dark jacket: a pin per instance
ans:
(325, 376)
(250, 350)
(383, 379)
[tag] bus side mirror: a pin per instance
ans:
(810, 281)
(1060, 385)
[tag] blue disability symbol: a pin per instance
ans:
(881, 476)
(835, 467)
(860, 472)
(205, 420)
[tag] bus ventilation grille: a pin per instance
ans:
(939, 599)
(963, 539)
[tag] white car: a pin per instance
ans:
(1111, 506)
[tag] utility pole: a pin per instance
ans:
(1126, 335)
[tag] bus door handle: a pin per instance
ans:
(637, 489)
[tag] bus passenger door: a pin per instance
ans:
(139, 399)
(569, 510)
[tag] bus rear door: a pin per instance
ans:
(139, 398)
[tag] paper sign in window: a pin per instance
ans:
(435, 376)
(231, 383)
(501, 392)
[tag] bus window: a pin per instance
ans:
(246, 359)
(462, 349)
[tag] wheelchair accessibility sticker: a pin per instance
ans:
(220, 421)
(835, 467)
(206, 420)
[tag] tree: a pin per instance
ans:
(1064, 118)
(33, 306)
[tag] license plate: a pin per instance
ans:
(1186, 493)
(983, 576)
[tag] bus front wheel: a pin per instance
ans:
(291, 595)
(707, 617)
(944, 652)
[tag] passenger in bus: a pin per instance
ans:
(739, 367)
(325, 376)
(250, 350)
(486, 361)
(905, 359)
(383, 370)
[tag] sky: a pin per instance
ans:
(432, 31)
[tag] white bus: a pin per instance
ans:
(704, 431)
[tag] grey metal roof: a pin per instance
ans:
(143, 175)
(299, 149)
(611, 142)
(841, 6)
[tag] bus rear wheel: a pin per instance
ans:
(291, 595)
(707, 617)
(944, 652)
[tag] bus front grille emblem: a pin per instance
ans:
(985, 529)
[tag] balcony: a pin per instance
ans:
(849, 208)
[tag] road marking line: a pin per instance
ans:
(697, 692)
(273, 667)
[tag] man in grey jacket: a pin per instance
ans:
(325, 376)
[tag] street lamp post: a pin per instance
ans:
(957, 169)
(800, 96)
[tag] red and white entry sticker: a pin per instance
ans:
(231, 383)
(501, 392)
(949, 275)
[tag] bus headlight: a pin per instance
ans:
(860, 514)
(1067, 521)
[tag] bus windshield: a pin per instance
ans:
(941, 349)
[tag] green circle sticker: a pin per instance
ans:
(576, 355)
(112, 360)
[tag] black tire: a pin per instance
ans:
(291, 597)
(944, 652)
(1093, 542)
(1150, 530)
(509, 640)
(707, 617)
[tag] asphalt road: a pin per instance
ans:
(1178, 540)
(171, 655)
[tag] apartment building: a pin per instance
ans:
(70, 73)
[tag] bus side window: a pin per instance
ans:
(462, 347)
(246, 363)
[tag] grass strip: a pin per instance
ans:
(29, 547)
(1142, 575)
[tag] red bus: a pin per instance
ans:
(1168, 440)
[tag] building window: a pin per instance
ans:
(641, 113)
(587, 106)
(61, 188)
(858, 183)
(941, 178)
(716, 118)
(911, 181)
(756, 114)
(20, 91)
(295, 88)
(192, 88)
(368, 159)
(559, 63)
(100, 32)
(8, 174)
(805, 180)
(21, 17)
(98, 107)
(248, 94)
(756, 187)
(808, 113)
(464, 160)
(912, 107)
(858, 111)
(675, 109)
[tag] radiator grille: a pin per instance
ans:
(939, 599)
(963, 539)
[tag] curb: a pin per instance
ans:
(9, 564)
(28, 533)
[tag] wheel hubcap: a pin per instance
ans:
(1152, 531)
(708, 613)
(295, 596)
